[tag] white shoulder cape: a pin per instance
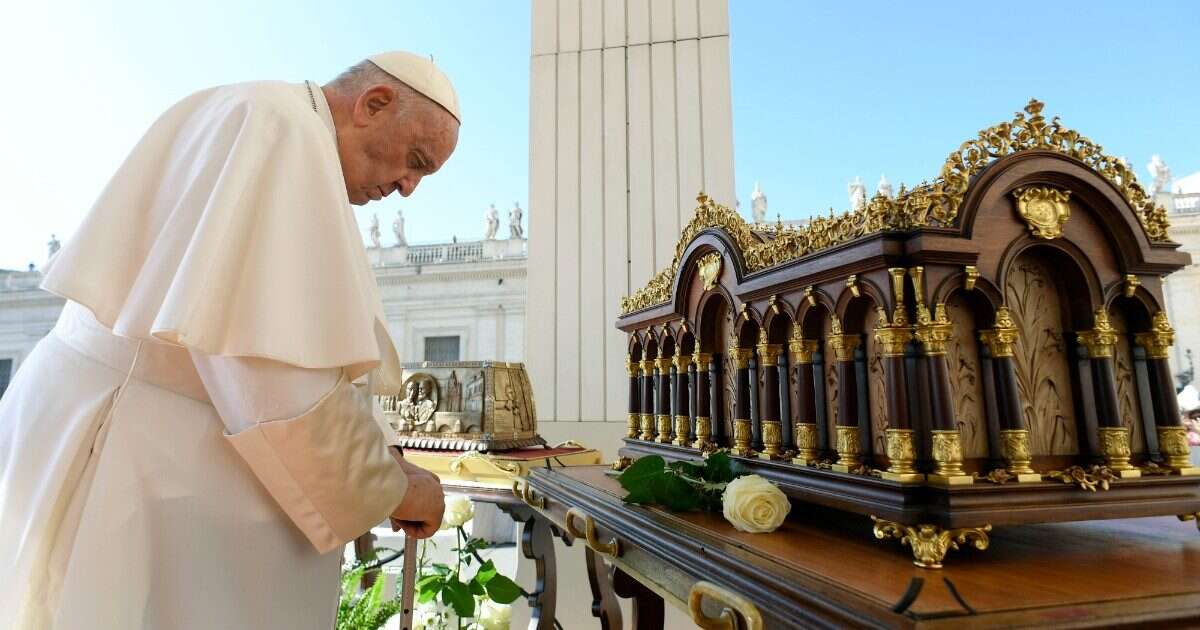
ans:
(228, 230)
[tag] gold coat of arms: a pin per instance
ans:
(1044, 209)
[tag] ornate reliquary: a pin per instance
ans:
(469, 406)
(983, 350)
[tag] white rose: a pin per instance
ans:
(753, 504)
(493, 616)
(429, 616)
(459, 510)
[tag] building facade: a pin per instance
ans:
(1182, 288)
(462, 301)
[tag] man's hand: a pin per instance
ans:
(420, 513)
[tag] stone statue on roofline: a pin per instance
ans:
(758, 204)
(885, 188)
(858, 194)
(514, 222)
(398, 228)
(375, 234)
(491, 222)
(1160, 175)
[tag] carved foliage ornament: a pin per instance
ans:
(1044, 209)
(929, 204)
(710, 269)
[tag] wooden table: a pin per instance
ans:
(825, 568)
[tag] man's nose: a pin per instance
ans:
(408, 184)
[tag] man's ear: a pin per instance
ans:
(372, 101)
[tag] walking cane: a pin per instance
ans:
(408, 590)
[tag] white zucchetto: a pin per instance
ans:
(421, 75)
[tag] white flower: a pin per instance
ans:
(753, 504)
(493, 616)
(459, 510)
(430, 616)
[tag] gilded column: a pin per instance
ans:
(847, 439)
(805, 432)
(683, 428)
(742, 432)
(663, 411)
(633, 423)
(901, 450)
(1014, 437)
(1172, 436)
(946, 440)
(772, 426)
(1101, 342)
(703, 418)
(648, 401)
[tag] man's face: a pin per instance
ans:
(385, 150)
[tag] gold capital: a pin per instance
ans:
(843, 346)
(1102, 339)
(1159, 339)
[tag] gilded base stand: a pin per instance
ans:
(806, 444)
(742, 439)
(633, 425)
(901, 453)
(664, 430)
(1174, 444)
(647, 427)
(929, 542)
(683, 427)
(847, 449)
(1114, 443)
(772, 434)
(947, 458)
(703, 441)
(1015, 445)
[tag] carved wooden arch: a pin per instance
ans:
(634, 347)
(1072, 252)
(649, 344)
(666, 342)
(685, 338)
(709, 240)
(1141, 295)
(1132, 247)
(773, 315)
(956, 281)
(702, 305)
(740, 324)
(867, 290)
(822, 298)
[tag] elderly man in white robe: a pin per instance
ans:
(188, 448)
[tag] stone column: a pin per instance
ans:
(848, 449)
(648, 400)
(742, 431)
(1172, 436)
(683, 427)
(1014, 437)
(704, 434)
(633, 423)
(805, 428)
(663, 411)
(901, 450)
(772, 425)
(1101, 342)
(934, 334)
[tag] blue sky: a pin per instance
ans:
(822, 92)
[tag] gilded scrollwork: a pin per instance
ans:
(933, 204)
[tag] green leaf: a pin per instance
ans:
(674, 493)
(641, 471)
(486, 572)
(503, 590)
(642, 494)
(718, 468)
(458, 595)
(427, 596)
(687, 468)
(477, 588)
(440, 569)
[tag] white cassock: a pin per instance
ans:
(186, 449)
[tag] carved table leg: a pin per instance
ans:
(604, 600)
(537, 544)
(647, 605)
